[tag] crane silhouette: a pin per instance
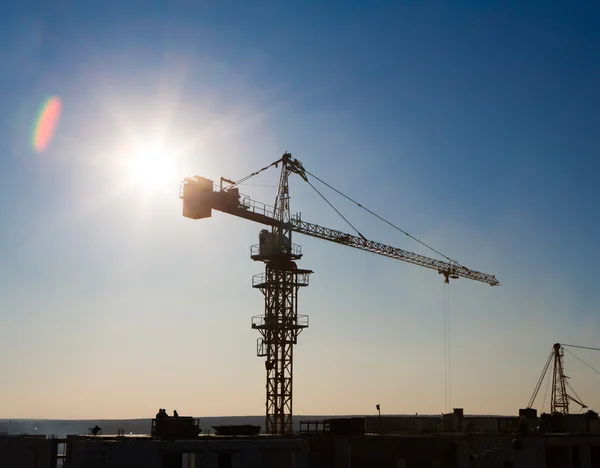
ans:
(281, 324)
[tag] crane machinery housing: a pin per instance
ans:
(281, 324)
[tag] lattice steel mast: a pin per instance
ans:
(280, 325)
(559, 402)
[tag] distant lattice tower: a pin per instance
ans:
(559, 402)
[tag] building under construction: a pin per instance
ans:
(453, 440)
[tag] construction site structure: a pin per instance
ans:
(560, 398)
(281, 324)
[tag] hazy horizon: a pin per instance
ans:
(255, 416)
(61, 427)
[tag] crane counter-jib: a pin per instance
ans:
(200, 197)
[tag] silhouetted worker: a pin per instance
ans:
(175, 414)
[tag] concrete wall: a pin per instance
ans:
(401, 424)
(554, 451)
(476, 451)
(449, 423)
(27, 452)
(92, 454)
(321, 452)
(393, 451)
(480, 425)
(204, 453)
(428, 424)
(575, 424)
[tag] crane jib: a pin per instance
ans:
(339, 237)
(200, 197)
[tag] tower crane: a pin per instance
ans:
(280, 324)
(560, 397)
(559, 400)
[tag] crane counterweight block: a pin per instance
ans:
(196, 193)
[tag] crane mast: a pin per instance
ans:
(281, 324)
(559, 402)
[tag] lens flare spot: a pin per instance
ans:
(46, 123)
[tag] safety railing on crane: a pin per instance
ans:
(261, 250)
(264, 321)
(260, 280)
(256, 206)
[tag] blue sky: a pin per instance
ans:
(473, 127)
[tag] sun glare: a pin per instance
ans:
(152, 166)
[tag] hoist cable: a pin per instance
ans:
(445, 312)
(449, 349)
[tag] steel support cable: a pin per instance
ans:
(382, 219)
(578, 401)
(336, 210)
(241, 181)
(581, 360)
(581, 347)
(546, 391)
(351, 200)
(540, 380)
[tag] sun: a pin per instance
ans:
(152, 166)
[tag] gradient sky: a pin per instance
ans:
(473, 127)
